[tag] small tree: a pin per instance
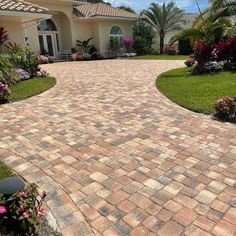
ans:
(143, 35)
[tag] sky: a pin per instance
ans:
(138, 5)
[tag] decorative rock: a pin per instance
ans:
(11, 185)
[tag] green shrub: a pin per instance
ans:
(8, 74)
(185, 46)
(25, 60)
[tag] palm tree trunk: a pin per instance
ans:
(162, 40)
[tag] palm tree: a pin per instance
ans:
(164, 18)
(212, 24)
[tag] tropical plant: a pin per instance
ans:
(14, 47)
(126, 8)
(164, 18)
(4, 92)
(143, 35)
(85, 45)
(8, 74)
(3, 36)
(128, 44)
(212, 24)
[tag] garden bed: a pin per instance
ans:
(160, 57)
(196, 92)
(29, 88)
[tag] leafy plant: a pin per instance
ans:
(14, 47)
(171, 50)
(213, 66)
(3, 36)
(8, 74)
(164, 18)
(128, 44)
(4, 93)
(85, 45)
(126, 8)
(143, 35)
(21, 214)
(226, 108)
(185, 46)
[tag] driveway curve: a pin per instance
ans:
(118, 158)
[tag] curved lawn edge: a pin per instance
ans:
(196, 93)
(29, 88)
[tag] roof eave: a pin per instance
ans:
(109, 18)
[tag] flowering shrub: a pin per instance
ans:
(128, 43)
(190, 62)
(213, 66)
(22, 213)
(42, 73)
(226, 108)
(43, 59)
(203, 53)
(4, 92)
(23, 75)
(171, 50)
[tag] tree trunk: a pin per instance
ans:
(162, 38)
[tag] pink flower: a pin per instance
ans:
(22, 208)
(23, 194)
(30, 211)
(3, 209)
(25, 215)
(41, 211)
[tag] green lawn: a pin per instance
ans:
(196, 93)
(160, 57)
(4, 171)
(30, 88)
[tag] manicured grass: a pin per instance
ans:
(30, 88)
(196, 93)
(160, 57)
(4, 171)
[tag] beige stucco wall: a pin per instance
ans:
(14, 30)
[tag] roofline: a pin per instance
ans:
(107, 18)
(25, 14)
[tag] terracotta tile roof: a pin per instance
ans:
(88, 10)
(21, 6)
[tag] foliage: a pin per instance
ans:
(185, 46)
(4, 92)
(3, 36)
(164, 18)
(171, 50)
(196, 92)
(211, 25)
(8, 75)
(213, 67)
(23, 75)
(24, 59)
(190, 62)
(115, 45)
(126, 8)
(128, 44)
(225, 108)
(226, 50)
(14, 47)
(31, 87)
(21, 213)
(143, 35)
(85, 45)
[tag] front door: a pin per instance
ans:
(48, 44)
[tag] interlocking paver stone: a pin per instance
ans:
(116, 157)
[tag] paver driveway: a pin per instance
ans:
(118, 158)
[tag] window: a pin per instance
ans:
(116, 33)
(47, 25)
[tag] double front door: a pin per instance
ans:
(49, 44)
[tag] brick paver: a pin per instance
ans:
(122, 159)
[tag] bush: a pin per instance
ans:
(185, 46)
(226, 108)
(213, 66)
(190, 62)
(8, 74)
(128, 44)
(4, 92)
(143, 35)
(203, 53)
(24, 59)
(21, 213)
(23, 75)
(171, 50)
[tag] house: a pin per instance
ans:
(54, 26)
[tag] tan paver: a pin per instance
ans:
(118, 158)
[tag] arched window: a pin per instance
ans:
(116, 33)
(47, 25)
